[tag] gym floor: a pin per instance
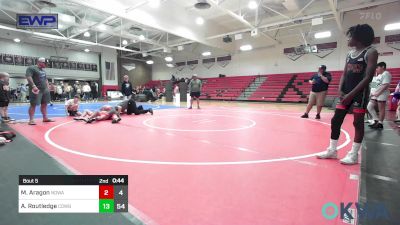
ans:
(227, 163)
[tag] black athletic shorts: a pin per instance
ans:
(72, 113)
(195, 94)
(4, 103)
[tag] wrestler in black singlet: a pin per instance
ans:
(355, 73)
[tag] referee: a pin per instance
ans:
(195, 90)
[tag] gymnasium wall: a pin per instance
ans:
(25, 49)
(138, 76)
(273, 61)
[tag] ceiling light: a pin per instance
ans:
(168, 59)
(124, 42)
(180, 48)
(154, 3)
(150, 62)
(199, 21)
(206, 53)
(87, 50)
(144, 54)
(392, 26)
(102, 27)
(134, 41)
(17, 40)
(252, 5)
(324, 34)
(246, 47)
(170, 65)
(86, 34)
(141, 37)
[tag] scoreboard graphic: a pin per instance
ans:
(73, 193)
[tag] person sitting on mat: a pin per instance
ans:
(72, 106)
(129, 107)
(353, 90)
(106, 112)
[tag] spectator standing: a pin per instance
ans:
(320, 82)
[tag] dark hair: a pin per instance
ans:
(362, 33)
(323, 67)
(381, 64)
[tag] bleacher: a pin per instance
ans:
(225, 88)
(395, 78)
(292, 87)
(156, 83)
(272, 88)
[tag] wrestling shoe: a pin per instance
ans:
(377, 126)
(328, 154)
(350, 159)
(89, 120)
(373, 123)
(305, 115)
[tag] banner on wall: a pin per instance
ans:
(192, 64)
(18, 60)
(180, 65)
(29, 61)
(224, 60)
(56, 65)
(80, 66)
(94, 67)
(49, 63)
(292, 54)
(8, 59)
(55, 62)
(72, 66)
(65, 65)
(208, 63)
(325, 49)
(88, 67)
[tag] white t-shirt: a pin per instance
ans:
(86, 88)
(59, 89)
(70, 103)
(373, 84)
(384, 78)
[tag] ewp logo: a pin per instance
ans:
(37, 21)
(367, 211)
